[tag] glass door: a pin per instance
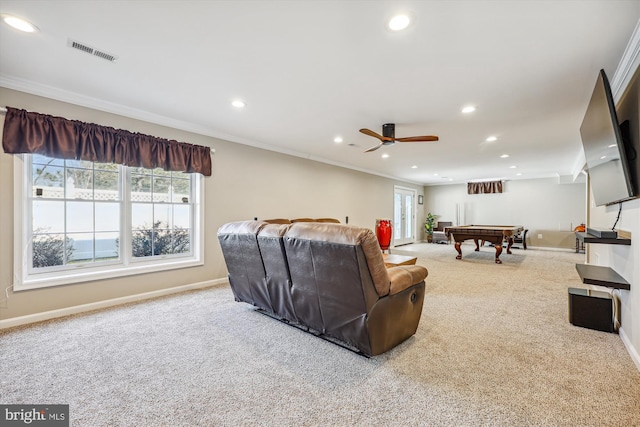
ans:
(404, 216)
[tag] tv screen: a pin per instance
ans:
(604, 148)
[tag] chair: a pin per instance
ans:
(520, 238)
(439, 233)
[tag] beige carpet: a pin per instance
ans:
(494, 347)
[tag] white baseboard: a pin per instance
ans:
(47, 315)
(632, 351)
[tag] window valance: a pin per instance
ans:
(28, 132)
(484, 187)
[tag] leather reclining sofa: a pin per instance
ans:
(327, 278)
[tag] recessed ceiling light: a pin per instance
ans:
(468, 109)
(519, 174)
(385, 155)
(512, 167)
(504, 156)
(399, 22)
(337, 139)
(238, 103)
(492, 138)
(414, 167)
(19, 23)
(436, 174)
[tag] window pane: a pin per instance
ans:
(84, 164)
(106, 167)
(82, 247)
(79, 184)
(47, 181)
(141, 242)
(107, 217)
(48, 250)
(38, 159)
(79, 216)
(160, 172)
(48, 216)
(181, 191)
(162, 216)
(181, 241)
(140, 188)
(141, 215)
(106, 185)
(161, 189)
(107, 246)
(181, 216)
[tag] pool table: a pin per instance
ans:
(490, 233)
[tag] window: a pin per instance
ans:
(82, 221)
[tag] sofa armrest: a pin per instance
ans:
(405, 276)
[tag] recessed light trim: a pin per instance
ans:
(399, 22)
(492, 138)
(504, 156)
(414, 167)
(468, 109)
(385, 156)
(238, 103)
(338, 139)
(19, 23)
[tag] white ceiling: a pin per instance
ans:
(311, 70)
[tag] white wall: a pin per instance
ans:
(543, 206)
(625, 260)
(247, 182)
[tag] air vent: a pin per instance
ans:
(91, 51)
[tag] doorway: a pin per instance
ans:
(404, 216)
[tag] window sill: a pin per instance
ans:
(75, 277)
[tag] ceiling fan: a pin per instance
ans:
(388, 136)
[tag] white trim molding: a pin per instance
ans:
(628, 65)
(632, 351)
(67, 311)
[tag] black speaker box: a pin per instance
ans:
(591, 309)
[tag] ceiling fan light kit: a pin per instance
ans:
(388, 137)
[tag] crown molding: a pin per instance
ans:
(628, 65)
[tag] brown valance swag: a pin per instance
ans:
(484, 187)
(28, 132)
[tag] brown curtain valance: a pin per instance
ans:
(28, 132)
(484, 187)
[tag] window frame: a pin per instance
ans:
(127, 265)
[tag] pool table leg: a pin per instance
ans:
(477, 245)
(498, 252)
(459, 250)
(510, 240)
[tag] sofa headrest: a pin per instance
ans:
(278, 221)
(241, 227)
(274, 230)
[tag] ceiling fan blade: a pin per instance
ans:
(426, 138)
(374, 148)
(375, 135)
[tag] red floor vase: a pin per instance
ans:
(383, 233)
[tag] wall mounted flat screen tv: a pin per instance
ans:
(605, 145)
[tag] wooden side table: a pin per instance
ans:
(393, 260)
